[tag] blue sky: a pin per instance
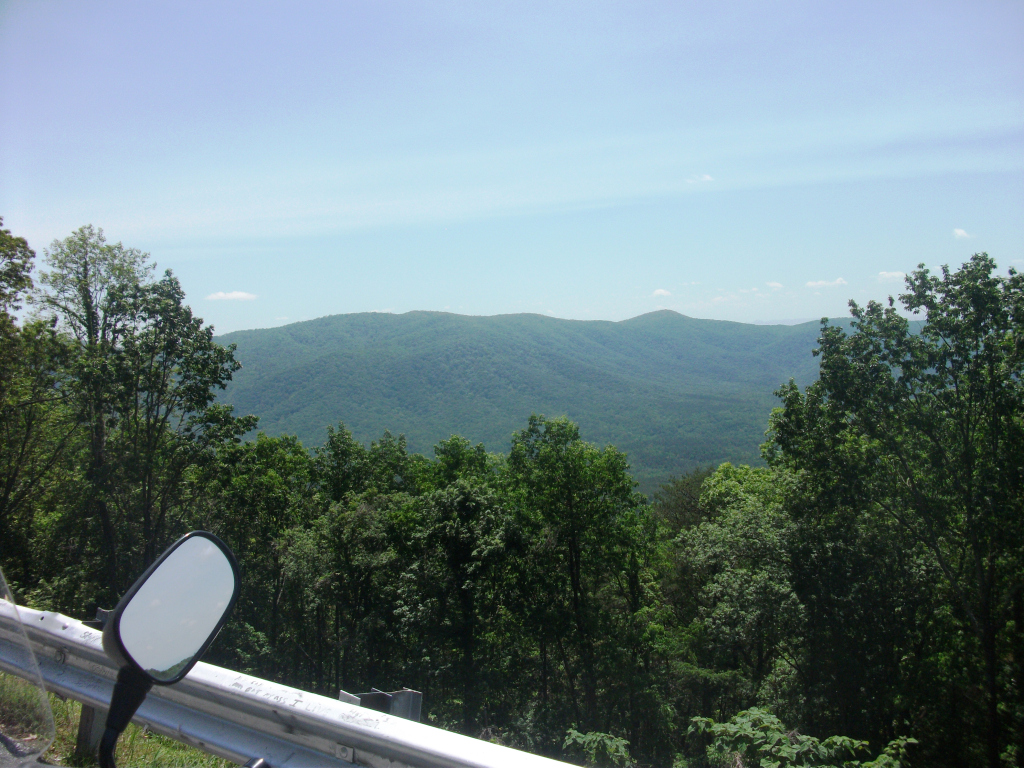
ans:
(760, 162)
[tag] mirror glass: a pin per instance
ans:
(177, 609)
(26, 723)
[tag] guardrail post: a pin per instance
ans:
(405, 703)
(92, 721)
(90, 731)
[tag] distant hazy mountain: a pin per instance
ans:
(671, 391)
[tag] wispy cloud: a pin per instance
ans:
(826, 283)
(774, 286)
(960, 234)
(661, 292)
(697, 178)
(891, 277)
(231, 296)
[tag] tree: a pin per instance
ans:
(340, 465)
(142, 380)
(164, 369)
(737, 564)
(390, 468)
(252, 496)
(457, 458)
(15, 268)
(35, 424)
(677, 502)
(593, 538)
(757, 737)
(599, 749)
(930, 426)
(84, 273)
(455, 588)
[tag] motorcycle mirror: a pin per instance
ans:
(164, 624)
(173, 612)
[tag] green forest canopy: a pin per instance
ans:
(855, 601)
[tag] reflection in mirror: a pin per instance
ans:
(179, 606)
(26, 723)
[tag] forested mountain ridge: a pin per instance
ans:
(672, 391)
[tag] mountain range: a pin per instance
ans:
(672, 391)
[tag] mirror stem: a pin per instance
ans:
(129, 692)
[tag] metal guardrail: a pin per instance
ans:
(239, 717)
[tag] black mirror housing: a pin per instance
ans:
(114, 640)
(164, 624)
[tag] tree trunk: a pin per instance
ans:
(1018, 670)
(470, 683)
(96, 477)
(992, 686)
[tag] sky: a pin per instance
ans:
(749, 161)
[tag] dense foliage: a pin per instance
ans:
(674, 392)
(855, 601)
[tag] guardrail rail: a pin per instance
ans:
(239, 717)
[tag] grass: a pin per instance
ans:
(136, 747)
(22, 713)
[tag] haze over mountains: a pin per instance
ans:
(671, 391)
